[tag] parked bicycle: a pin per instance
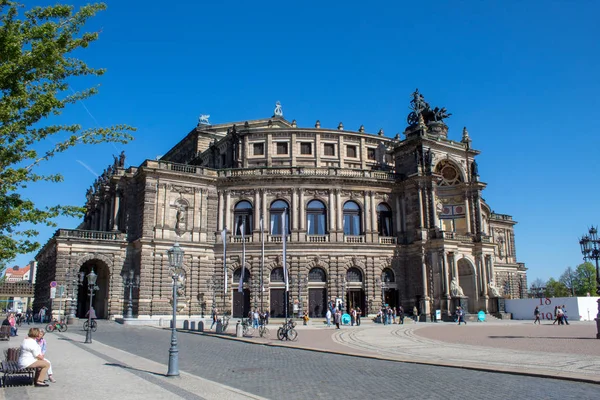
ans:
(86, 325)
(60, 326)
(263, 331)
(287, 331)
(247, 328)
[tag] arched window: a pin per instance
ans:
(237, 273)
(316, 218)
(242, 217)
(351, 219)
(384, 220)
(317, 275)
(276, 216)
(354, 275)
(276, 275)
(387, 275)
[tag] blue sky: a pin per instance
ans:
(521, 76)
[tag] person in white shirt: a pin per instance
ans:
(328, 317)
(31, 357)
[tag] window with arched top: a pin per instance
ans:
(352, 219)
(242, 218)
(449, 172)
(387, 275)
(384, 220)
(276, 212)
(354, 275)
(277, 275)
(316, 218)
(238, 273)
(317, 275)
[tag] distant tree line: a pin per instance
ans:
(580, 281)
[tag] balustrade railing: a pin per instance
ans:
(317, 238)
(354, 239)
(93, 235)
(387, 240)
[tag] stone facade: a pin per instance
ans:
(369, 220)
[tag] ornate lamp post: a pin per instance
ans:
(91, 282)
(384, 281)
(590, 248)
(175, 255)
(130, 281)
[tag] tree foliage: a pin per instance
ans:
(586, 279)
(569, 279)
(36, 66)
(556, 288)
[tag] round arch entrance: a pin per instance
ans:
(100, 302)
(466, 280)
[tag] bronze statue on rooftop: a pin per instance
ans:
(420, 107)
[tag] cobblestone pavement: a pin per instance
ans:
(276, 372)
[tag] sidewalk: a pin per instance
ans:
(517, 347)
(97, 371)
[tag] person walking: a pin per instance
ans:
(415, 313)
(12, 321)
(565, 319)
(338, 319)
(560, 316)
(358, 312)
(214, 316)
(536, 312)
(328, 317)
(401, 314)
(460, 314)
(394, 312)
(555, 315)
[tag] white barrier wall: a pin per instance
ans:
(578, 308)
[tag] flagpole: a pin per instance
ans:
(224, 239)
(241, 284)
(262, 263)
(285, 272)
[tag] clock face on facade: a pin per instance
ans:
(449, 173)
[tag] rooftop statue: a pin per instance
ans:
(203, 119)
(278, 111)
(420, 107)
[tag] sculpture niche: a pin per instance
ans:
(455, 289)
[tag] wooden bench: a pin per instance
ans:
(5, 332)
(11, 370)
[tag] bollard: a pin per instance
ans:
(200, 326)
(239, 332)
(219, 326)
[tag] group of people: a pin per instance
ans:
(32, 355)
(11, 320)
(560, 315)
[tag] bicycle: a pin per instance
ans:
(56, 325)
(287, 331)
(86, 325)
(247, 328)
(263, 331)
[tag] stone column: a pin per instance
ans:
(367, 227)
(339, 208)
(373, 213)
(398, 214)
(420, 193)
(467, 213)
(263, 205)
(227, 209)
(436, 221)
(425, 310)
(257, 213)
(302, 211)
(331, 210)
(484, 276)
(294, 211)
(220, 212)
(116, 205)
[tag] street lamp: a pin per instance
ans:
(590, 248)
(91, 282)
(130, 281)
(175, 255)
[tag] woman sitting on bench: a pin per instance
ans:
(31, 357)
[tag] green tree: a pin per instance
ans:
(556, 288)
(585, 279)
(569, 279)
(36, 66)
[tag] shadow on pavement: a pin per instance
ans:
(133, 369)
(538, 338)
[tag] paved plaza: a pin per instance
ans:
(131, 362)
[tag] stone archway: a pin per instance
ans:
(467, 281)
(100, 301)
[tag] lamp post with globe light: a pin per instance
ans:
(175, 255)
(92, 287)
(130, 281)
(590, 248)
